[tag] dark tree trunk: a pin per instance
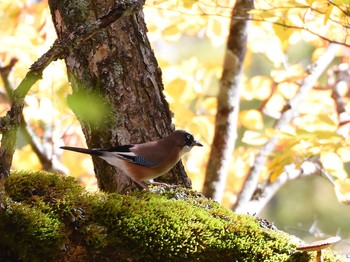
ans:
(117, 66)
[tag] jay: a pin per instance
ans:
(146, 161)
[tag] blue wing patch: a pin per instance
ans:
(125, 153)
(143, 162)
(139, 160)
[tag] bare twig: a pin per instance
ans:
(339, 79)
(49, 163)
(5, 72)
(256, 204)
(310, 167)
(273, 21)
(251, 182)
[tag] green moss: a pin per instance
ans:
(56, 216)
(22, 185)
(156, 227)
(27, 232)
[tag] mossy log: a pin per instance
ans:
(50, 217)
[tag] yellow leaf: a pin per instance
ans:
(265, 14)
(286, 132)
(172, 32)
(202, 126)
(254, 138)
(188, 4)
(214, 28)
(9, 14)
(293, 72)
(309, 2)
(210, 105)
(258, 87)
(323, 124)
(251, 119)
(287, 89)
(327, 14)
(339, 173)
(282, 32)
(277, 164)
(333, 164)
(344, 153)
(183, 115)
(277, 171)
(326, 119)
(25, 158)
(175, 89)
(342, 190)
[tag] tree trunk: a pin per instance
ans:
(115, 70)
(228, 103)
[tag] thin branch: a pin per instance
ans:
(307, 168)
(345, 12)
(261, 19)
(4, 73)
(302, 28)
(49, 163)
(290, 108)
(339, 78)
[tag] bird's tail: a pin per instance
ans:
(94, 152)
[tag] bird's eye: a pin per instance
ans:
(189, 139)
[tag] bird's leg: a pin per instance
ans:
(141, 184)
(154, 183)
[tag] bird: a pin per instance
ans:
(146, 161)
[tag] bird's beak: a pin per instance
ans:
(196, 143)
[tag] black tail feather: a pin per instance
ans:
(94, 152)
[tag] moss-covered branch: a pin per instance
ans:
(53, 216)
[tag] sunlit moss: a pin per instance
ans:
(53, 214)
(28, 233)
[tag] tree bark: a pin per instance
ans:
(228, 103)
(117, 67)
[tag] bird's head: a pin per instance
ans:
(184, 139)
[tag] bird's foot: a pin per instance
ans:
(154, 183)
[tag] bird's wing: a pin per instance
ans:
(124, 152)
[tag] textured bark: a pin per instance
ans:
(228, 103)
(10, 123)
(117, 65)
